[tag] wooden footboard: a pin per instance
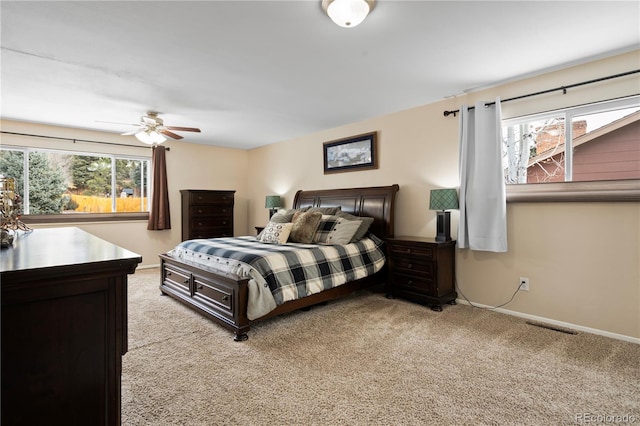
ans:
(223, 298)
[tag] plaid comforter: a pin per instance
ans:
(289, 271)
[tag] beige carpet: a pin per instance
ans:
(367, 360)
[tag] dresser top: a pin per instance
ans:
(60, 247)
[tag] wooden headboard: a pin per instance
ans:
(377, 202)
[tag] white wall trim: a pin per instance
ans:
(149, 266)
(562, 324)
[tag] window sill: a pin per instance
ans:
(596, 191)
(83, 218)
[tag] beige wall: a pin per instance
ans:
(581, 258)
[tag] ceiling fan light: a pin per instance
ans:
(348, 13)
(150, 137)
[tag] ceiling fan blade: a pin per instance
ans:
(183, 129)
(133, 132)
(170, 134)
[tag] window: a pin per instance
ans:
(597, 142)
(61, 183)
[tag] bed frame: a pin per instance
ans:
(223, 297)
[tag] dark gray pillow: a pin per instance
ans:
(325, 210)
(362, 229)
(284, 216)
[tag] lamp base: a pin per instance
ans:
(272, 212)
(444, 226)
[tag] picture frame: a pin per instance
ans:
(351, 154)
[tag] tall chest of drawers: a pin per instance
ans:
(207, 214)
(422, 269)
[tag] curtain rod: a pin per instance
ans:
(563, 88)
(76, 140)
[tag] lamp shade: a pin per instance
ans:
(150, 137)
(273, 202)
(443, 199)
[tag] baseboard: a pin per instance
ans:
(555, 323)
(149, 266)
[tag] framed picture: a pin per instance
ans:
(351, 154)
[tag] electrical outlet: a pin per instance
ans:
(524, 284)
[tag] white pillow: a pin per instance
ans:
(276, 233)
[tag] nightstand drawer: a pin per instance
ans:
(404, 250)
(408, 266)
(413, 282)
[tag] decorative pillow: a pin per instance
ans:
(304, 226)
(326, 225)
(276, 233)
(325, 210)
(341, 232)
(362, 229)
(284, 216)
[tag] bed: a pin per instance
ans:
(223, 296)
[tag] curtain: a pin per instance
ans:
(159, 217)
(483, 206)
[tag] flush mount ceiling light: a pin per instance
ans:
(348, 13)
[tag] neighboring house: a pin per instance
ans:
(609, 152)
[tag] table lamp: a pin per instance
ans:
(442, 200)
(273, 202)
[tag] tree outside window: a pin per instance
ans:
(62, 183)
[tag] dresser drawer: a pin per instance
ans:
(216, 295)
(210, 222)
(209, 197)
(412, 250)
(210, 232)
(210, 211)
(177, 278)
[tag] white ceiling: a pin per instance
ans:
(251, 73)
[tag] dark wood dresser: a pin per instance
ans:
(422, 269)
(64, 328)
(207, 214)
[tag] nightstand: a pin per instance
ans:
(422, 270)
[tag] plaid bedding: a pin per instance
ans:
(289, 271)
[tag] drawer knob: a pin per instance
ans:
(408, 250)
(410, 282)
(410, 266)
(200, 287)
(168, 273)
(225, 298)
(186, 281)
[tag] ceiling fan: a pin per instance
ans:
(151, 129)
